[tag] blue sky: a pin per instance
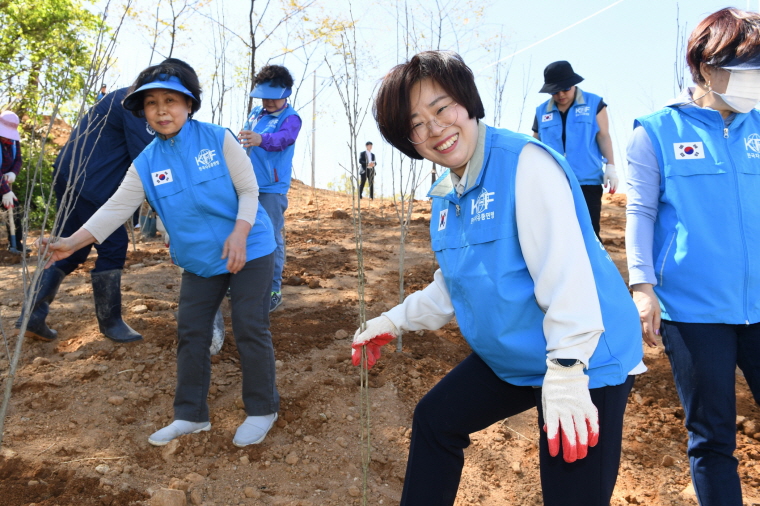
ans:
(626, 54)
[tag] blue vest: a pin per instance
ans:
(273, 168)
(476, 245)
(707, 234)
(187, 182)
(580, 149)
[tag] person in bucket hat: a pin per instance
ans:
(269, 137)
(574, 123)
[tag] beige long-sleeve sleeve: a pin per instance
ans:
(130, 194)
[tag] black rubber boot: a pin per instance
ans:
(106, 288)
(49, 284)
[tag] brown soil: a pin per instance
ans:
(82, 407)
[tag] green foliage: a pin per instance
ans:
(342, 184)
(46, 51)
(42, 180)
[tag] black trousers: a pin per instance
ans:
(470, 398)
(368, 176)
(593, 195)
(199, 298)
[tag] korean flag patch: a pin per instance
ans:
(547, 117)
(442, 219)
(688, 150)
(161, 177)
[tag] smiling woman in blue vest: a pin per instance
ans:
(200, 182)
(575, 124)
(269, 137)
(545, 311)
(693, 240)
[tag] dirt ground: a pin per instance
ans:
(82, 407)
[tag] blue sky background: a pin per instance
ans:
(626, 54)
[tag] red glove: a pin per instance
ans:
(378, 332)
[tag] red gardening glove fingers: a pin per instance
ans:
(571, 451)
(374, 346)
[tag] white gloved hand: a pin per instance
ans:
(8, 199)
(10, 177)
(568, 411)
(378, 332)
(610, 178)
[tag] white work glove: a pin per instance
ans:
(378, 332)
(568, 411)
(610, 178)
(10, 177)
(8, 199)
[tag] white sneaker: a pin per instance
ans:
(254, 430)
(176, 429)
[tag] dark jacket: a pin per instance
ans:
(363, 160)
(101, 149)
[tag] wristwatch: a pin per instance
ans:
(566, 362)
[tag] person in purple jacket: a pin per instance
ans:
(269, 137)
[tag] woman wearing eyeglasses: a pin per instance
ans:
(545, 311)
(574, 123)
(693, 240)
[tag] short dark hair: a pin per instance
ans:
(279, 75)
(368, 143)
(392, 108)
(169, 67)
(721, 37)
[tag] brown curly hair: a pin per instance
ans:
(279, 75)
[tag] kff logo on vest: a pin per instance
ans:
(582, 110)
(480, 206)
(752, 145)
(205, 159)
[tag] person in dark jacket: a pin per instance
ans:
(367, 161)
(88, 170)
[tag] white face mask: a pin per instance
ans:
(743, 90)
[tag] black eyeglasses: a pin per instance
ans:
(444, 118)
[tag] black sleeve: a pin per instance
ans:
(535, 124)
(362, 161)
(602, 105)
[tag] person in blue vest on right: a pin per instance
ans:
(269, 137)
(574, 123)
(693, 240)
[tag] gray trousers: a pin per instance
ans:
(199, 298)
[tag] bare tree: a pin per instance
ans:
(39, 133)
(679, 65)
